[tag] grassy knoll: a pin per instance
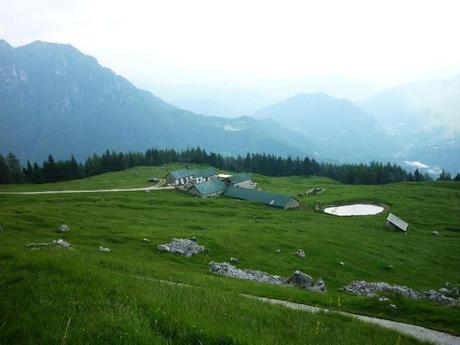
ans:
(109, 302)
(130, 178)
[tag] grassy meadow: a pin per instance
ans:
(114, 298)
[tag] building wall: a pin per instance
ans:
(292, 203)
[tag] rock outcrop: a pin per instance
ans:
(445, 295)
(181, 246)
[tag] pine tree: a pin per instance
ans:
(14, 168)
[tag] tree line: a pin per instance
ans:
(53, 170)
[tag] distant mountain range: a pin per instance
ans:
(423, 119)
(54, 99)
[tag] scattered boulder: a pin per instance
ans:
(146, 240)
(300, 279)
(278, 251)
(393, 306)
(37, 245)
(319, 286)
(63, 228)
(228, 270)
(104, 249)
(300, 253)
(364, 288)
(341, 263)
(193, 238)
(62, 243)
(163, 248)
(435, 233)
(181, 246)
(234, 261)
(383, 299)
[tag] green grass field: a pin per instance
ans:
(113, 298)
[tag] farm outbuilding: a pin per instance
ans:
(396, 223)
(271, 199)
(180, 177)
(186, 176)
(209, 188)
(203, 175)
(241, 180)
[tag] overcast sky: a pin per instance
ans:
(180, 41)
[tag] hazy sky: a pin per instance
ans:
(180, 41)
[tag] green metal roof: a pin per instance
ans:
(178, 174)
(239, 178)
(272, 199)
(205, 172)
(209, 187)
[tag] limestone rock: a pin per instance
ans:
(181, 246)
(300, 253)
(63, 228)
(300, 279)
(62, 243)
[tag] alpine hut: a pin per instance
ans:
(209, 188)
(241, 180)
(180, 177)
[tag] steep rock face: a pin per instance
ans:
(54, 99)
(336, 127)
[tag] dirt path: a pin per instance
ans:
(418, 332)
(141, 189)
(421, 333)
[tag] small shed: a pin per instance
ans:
(271, 199)
(209, 188)
(241, 180)
(396, 223)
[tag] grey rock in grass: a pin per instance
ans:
(300, 279)
(181, 246)
(278, 251)
(163, 248)
(234, 261)
(319, 286)
(228, 270)
(146, 240)
(37, 245)
(383, 299)
(364, 288)
(300, 253)
(435, 233)
(393, 306)
(193, 238)
(104, 249)
(341, 263)
(63, 228)
(62, 243)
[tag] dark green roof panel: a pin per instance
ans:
(178, 174)
(272, 199)
(210, 187)
(239, 178)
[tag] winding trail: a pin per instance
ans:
(418, 332)
(115, 190)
